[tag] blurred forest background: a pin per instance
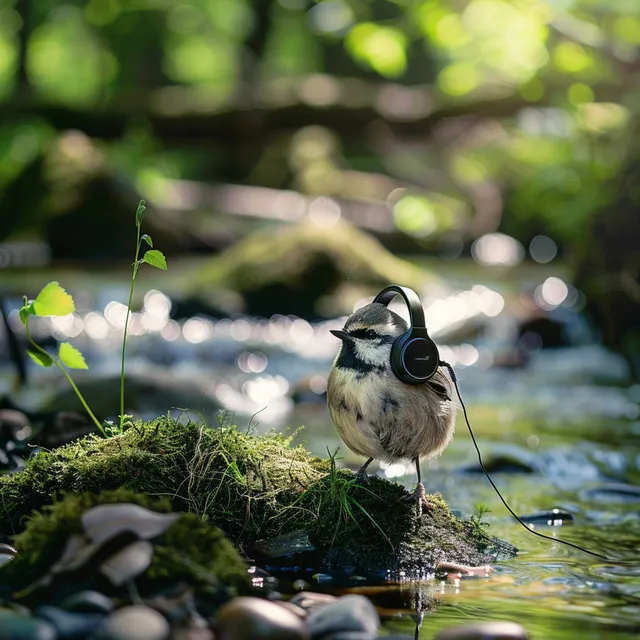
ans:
(431, 124)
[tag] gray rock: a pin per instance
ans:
(5, 557)
(485, 631)
(309, 600)
(17, 627)
(88, 602)
(243, 618)
(137, 622)
(8, 549)
(340, 620)
(69, 624)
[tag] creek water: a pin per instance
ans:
(560, 428)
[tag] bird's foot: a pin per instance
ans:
(419, 496)
(362, 477)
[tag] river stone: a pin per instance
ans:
(5, 557)
(352, 613)
(137, 622)
(17, 627)
(485, 631)
(245, 617)
(88, 602)
(69, 624)
(7, 549)
(308, 600)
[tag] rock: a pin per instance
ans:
(485, 631)
(245, 617)
(7, 549)
(550, 518)
(612, 492)
(137, 622)
(501, 463)
(69, 624)
(5, 557)
(309, 601)
(352, 613)
(17, 627)
(88, 602)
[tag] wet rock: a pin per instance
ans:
(69, 624)
(613, 492)
(17, 627)
(550, 518)
(137, 622)
(501, 463)
(485, 631)
(309, 601)
(351, 616)
(88, 602)
(244, 617)
(5, 557)
(7, 549)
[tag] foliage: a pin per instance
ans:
(251, 487)
(480, 526)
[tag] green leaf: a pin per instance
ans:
(142, 205)
(26, 311)
(156, 259)
(53, 300)
(41, 359)
(71, 357)
(148, 240)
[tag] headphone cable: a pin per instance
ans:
(504, 502)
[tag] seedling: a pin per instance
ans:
(53, 300)
(480, 525)
(154, 258)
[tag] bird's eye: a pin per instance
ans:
(371, 334)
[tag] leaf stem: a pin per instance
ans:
(69, 379)
(126, 322)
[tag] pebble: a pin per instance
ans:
(137, 622)
(245, 617)
(485, 631)
(351, 616)
(69, 624)
(17, 627)
(309, 600)
(88, 602)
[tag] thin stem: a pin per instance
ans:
(69, 378)
(82, 400)
(126, 323)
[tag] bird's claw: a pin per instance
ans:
(419, 496)
(362, 477)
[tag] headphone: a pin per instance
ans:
(414, 355)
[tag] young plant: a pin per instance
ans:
(154, 258)
(53, 300)
(480, 525)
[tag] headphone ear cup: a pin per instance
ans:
(414, 357)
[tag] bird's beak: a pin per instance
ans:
(342, 335)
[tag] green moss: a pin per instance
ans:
(251, 487)
(190, 550)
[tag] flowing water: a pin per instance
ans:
(560, 429)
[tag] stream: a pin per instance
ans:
(559, 429)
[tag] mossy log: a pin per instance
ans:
(253, 488)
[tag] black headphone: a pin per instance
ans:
(414, 355)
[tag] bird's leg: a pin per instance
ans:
(361, 475)
(419, 495)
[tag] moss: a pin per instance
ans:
(251, 487)
(190, 550)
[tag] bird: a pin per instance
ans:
(377, 415)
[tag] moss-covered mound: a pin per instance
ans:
(252, 487)
(291, 269)
(189, 551)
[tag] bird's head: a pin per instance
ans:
(369, 333)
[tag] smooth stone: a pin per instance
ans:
(137, 622)
(88, 602)
(352, 613)
(17, 627)
(245, 617)
(550, 518)
(309, 600)
(5, 557)
(485, 631)
(69, 624)
(8, 549)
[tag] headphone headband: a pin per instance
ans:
(416, 313)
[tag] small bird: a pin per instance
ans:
(376, 414)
